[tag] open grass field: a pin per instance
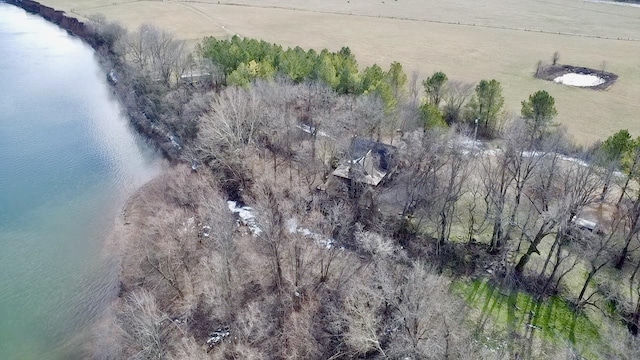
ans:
(468, 40)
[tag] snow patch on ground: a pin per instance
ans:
(467, 145)
(491, 152)
(528, 154)
(246, 215)
(292, 225)
(579, 80)
(310, 130)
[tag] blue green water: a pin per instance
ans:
(68, 161)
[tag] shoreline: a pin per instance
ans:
(82, 31)
(58, 17)
(149, 132)
(125, 222)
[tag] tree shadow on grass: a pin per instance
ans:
(521, 318)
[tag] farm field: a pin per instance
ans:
(468, 41)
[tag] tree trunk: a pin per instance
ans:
(514, 212)
(443, 229)
(605, 189)
(290, 172)
(623, 254)
(278, 270)
(471, 227)
(633, 229)
(635, 272)
(635, 322)
(548, 259)
(313, 144)
(275, 165)
(627, 180)
(585, 286)
(623, 191)
(564, 273)
(533, 248)
(553, 273)
(496, 237)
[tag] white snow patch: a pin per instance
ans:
(574, 160)
(174, 142)
(217, 336)
(310, 130)
(247, 218)
(579, 80)
(292, 226)
(468, 145)
(528, 154)
(206, 231)
(492, 152)
(188, 225)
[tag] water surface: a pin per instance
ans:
(68, 161)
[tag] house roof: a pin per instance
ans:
(382, 152)
(369, 162)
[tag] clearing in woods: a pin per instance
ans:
(468, 40)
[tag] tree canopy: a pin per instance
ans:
(434, 87)
(431, 116)
(617, 145)
(241, 60)
(538, 113)
(486, 106)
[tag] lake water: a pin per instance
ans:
(68, 161)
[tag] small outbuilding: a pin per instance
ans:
(584, 224)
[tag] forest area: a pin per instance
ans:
(317, 210)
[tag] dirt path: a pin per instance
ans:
(224, 28)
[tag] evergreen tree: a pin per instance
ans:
(434, 88)
(538, 113)
(486, 106)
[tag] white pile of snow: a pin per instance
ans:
(580, 80)
(246, 216)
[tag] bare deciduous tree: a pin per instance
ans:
(146, 327)
(271, 220)
(233, 120)
(631, 216)
(156, 52)
(598, 250)
(109, 33)
(456, 96)
(496, 179)
(363, 333)
(563, 190)
(421, 300)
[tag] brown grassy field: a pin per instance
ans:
(468, 40)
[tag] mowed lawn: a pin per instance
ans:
(468, 40)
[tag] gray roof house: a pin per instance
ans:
(367, 162)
